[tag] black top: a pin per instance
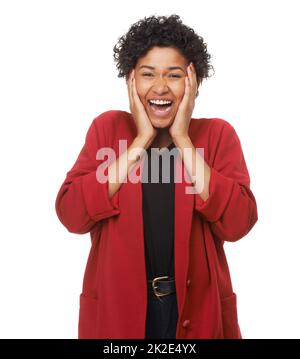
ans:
(158, 213)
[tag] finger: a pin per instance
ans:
(195, 80)
(129, 88)
(128, 83)
(191, 75)
(129, 98)
(187, 86)
(195, 74)
(135, 94)
(192, 79)
(185, 98)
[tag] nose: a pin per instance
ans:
(160, 86)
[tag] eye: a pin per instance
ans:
(149, 74)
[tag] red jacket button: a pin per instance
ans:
(186, 323)
(188, 283)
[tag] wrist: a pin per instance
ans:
(180, 138)
(145, 139)
(142, 141)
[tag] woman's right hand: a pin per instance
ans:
(145, 130)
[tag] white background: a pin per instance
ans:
(57, 74)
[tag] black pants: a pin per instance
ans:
(162, 316)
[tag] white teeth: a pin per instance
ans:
(160, 102)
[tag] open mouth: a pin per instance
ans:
(160, 108)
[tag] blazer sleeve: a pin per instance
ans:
(231, 208)
(82, 200)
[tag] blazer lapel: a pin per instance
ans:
(184, 205)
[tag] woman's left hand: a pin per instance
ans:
(180, 126)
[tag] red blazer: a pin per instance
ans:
(113, 301)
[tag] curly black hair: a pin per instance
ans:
(161, 31)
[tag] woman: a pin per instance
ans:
(157, 267)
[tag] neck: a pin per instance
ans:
(162, 139)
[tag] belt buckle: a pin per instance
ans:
(154, 288)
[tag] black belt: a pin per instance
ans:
(161, 286)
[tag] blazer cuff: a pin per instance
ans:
(97, 201)
(220, 190)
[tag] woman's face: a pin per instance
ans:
(160, 74)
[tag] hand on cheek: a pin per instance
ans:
(143, 124)
(183, 116)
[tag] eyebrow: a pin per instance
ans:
(169, 68)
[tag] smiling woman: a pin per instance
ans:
(160, 50)
(161, 87)
(157, 267)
